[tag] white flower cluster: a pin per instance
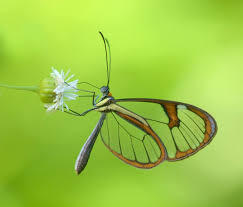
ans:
(65, 91)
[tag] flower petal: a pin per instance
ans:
(64, 91)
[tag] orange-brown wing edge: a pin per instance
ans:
(170, 108)
(149, 131)
(210, 132)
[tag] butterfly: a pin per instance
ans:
(173, 132)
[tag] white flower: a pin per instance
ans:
(65, 91)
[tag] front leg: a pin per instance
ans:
(94, 101)
(95, 98)
(72, 112)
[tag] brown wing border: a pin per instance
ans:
(170, 108)
(147, 130)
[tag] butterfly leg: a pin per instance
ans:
(72, 112)
(95, 100)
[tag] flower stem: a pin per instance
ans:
(25, 88)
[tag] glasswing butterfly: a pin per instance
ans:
(177, 130)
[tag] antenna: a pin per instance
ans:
(107, 53)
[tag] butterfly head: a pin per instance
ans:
(105, 91)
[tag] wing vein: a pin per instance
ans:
(153, 148)
(191, 131)
(177, 149)
(184, 137)
(124, 127)
(156, 121)
(193, 122)
(119, 140)
(145, 148)
(133, 148)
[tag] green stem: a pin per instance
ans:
(25, 88)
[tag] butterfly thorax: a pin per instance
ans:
(105, 94)
(103, 104)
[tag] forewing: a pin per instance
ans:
(184, 129)
(131, 143)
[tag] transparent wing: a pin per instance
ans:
(184, 129)
(130, 143)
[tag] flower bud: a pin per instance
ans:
(46, 90)
(54, 91)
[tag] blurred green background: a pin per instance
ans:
(189, 51)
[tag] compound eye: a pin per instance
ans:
(104, 89)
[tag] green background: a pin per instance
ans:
(189, 51)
